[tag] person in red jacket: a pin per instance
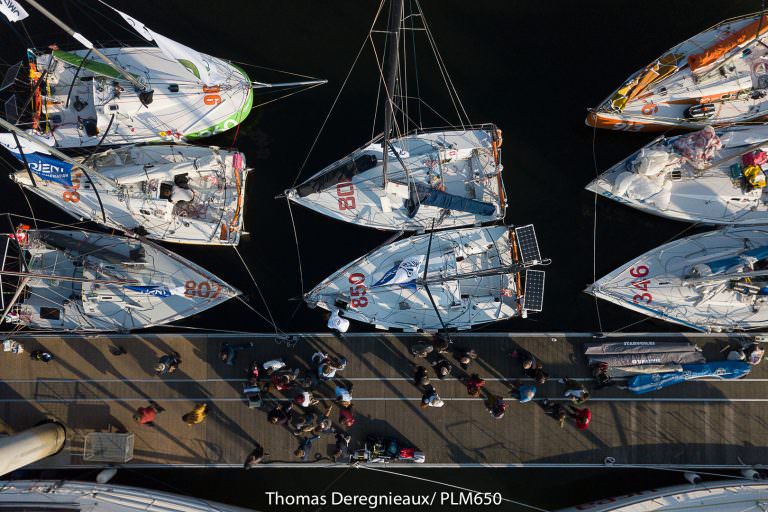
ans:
(147, 415)
(582, 417)
(474, 385)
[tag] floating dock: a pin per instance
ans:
(89, 389)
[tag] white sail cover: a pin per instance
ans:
(205, 68)
(12, 10)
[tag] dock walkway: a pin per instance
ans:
(88, 388)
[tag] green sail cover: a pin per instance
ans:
(91, 65)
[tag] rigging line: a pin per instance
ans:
(594, 231)
(415, 63)
(378, 92)
(298, 251)
(273, 69)
(532, 507)
(31, 211)
(258, 289)
(443, 69)
(322, 493)
(338, 95)
(278, 331)
(285, 96)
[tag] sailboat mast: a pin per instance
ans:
(393, 57)
(85, 42)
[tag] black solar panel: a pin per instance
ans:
(526, 241)
(533, 300)
(11, 110)
(10, 76)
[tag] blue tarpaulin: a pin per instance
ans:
(721, 369)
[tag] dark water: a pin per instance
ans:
(530, 67)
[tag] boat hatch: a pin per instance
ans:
(529, 246)
(533, 299)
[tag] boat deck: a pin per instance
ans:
(87, 388)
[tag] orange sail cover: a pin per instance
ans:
(720, 48)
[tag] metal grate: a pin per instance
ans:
(533, 299)
(529, 246)
(11, 110)
(108, 447)
(10, 76)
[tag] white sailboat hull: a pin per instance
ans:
(75, 96)
(662, 283)
(130, 181)
(659, 97)
(462, 302)
(462, 163)
(82, 281)
(678, 190)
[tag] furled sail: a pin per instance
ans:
(206, 69)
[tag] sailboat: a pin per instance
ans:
(85, 98)
(711, 282)
(75, 280)
(717, 76)
(712, 176)
(412, 179)
(170, 192)
(452, 279)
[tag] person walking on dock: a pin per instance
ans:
(342, 446)
(581, 416)
(255, 457)
(523, 392)
(474, 385)
(168, 363)
(431, 398)
(41, 355)
(305, 447)
(280, 414)
(273, 365)
(304, 425)
(442, 368)
(343, 395)
(305, 399)
(497, 406)
(465, 356)
(532, 367)
(422, 350)
(576, 391)
(196, 415)
(325, 425)
(346, 417)
(146, 415)
(421, 377)
(327, 368)
(555, 410)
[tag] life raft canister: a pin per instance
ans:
(703, 111)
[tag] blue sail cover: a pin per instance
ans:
(154, 290)
(721, 369)
(457, 203)
(726, 263)
(48, 167)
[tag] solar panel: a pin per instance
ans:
(11, 110)
(533, 300)
(10, 76)
(526, 241)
